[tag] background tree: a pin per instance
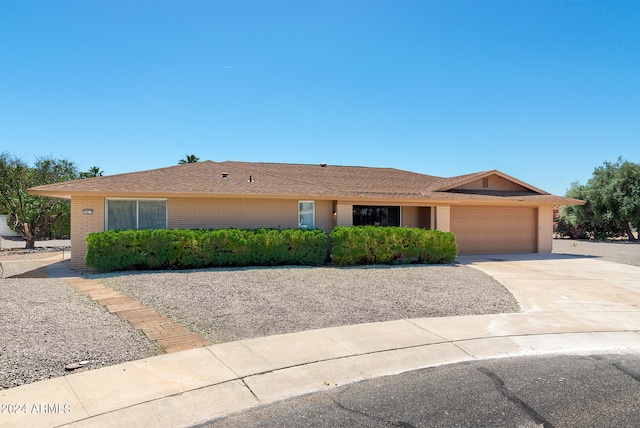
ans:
(189, 159)
(94, 171)
(612, 197)
(31, 217)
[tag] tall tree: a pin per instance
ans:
(189, 159)
(94, 171)
(32, 216)
(612, 198)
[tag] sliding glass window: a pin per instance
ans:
(136, 214)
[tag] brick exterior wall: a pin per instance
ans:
(82, 224)
(247, 213)
(206, 213)
(344, 214)
(443, 218)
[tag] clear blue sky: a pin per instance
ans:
(542, 90)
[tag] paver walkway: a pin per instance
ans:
(171, 336)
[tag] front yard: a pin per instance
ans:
(45, 325)
(233, 304)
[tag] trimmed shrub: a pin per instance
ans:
(190, 249)
(187, 249)
(359, 245)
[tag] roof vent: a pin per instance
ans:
(324, 165)
(485, 182)
(250, 179)
(225, 175)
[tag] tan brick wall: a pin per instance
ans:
(252, 213)
(324, 215)
(82, 224)
(443, 218)
(204, 213)
(344, 214)
(210, 213)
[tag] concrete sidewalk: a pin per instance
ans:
(570, 305)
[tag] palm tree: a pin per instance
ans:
(94, 171)
(189, 159)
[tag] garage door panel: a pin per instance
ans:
(486, 230)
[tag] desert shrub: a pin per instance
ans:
(391, 245)
(182, 249)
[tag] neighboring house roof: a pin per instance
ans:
(250, 179)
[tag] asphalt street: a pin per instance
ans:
(539, 391)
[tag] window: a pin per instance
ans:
(306, 215)
(136, 214)
(376, 216)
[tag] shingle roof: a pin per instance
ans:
(232, 178)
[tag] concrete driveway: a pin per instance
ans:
(562, 283)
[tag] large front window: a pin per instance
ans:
(306, 215)
(136, 214)
(364, 215)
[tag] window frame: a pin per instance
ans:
(359, 206)
(313, 214)
(137, 200)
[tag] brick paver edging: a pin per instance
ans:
(171, 336)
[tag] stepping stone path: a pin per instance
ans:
(172, 337)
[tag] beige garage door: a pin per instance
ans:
(490, 230)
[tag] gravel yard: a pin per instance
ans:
(45, 325)
(232, 304)
(613, 251)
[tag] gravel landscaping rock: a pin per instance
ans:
(625, 252)
(232, 304)
(44, 326)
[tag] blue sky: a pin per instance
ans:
(544, 91)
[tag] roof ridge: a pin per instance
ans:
(317, 164)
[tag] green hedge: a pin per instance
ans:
(391, 245)
(187, 249)
(190, 249)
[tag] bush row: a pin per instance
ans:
(188, 249)
(391, 245)
(181, 248)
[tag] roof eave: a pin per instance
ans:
(429, 198)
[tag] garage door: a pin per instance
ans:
(490, 230)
